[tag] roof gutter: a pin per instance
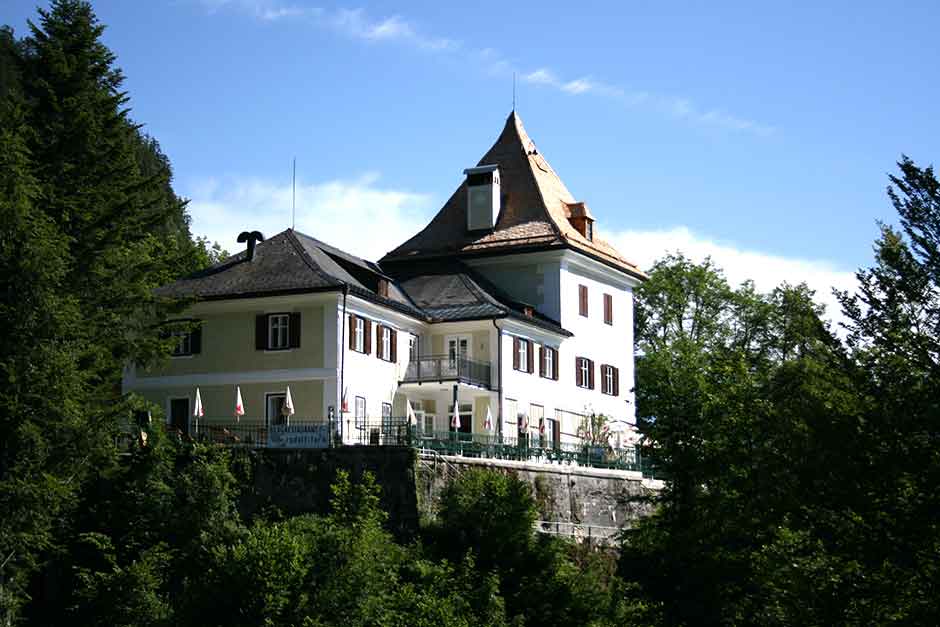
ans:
(499, 379)
(338, 416)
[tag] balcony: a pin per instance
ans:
(441, 368)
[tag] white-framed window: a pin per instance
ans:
(536, 415)
(585, 373)
(610, 380)
(183, 345)
(274, 408)
(523, 348)
(458, 348)
(510, 410)
(278, 331)
(360, 411)
(552, 437)
(549, 358)
(386, 343)
(360, 335)
(466, 416)
(429, 424)
(386, 417)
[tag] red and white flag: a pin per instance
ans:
(288, 405)
(197, 407)
(541, 426)
(455, 421)
(488, 423)
(524, 422)
(239, 405)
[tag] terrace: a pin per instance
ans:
(310, 433)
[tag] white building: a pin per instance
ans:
(507, 302)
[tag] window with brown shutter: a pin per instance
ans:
(394, 356)
(608, 309)
(530, 357)
(384, 350)
(352, 332)
(541, 361)
(294, 330)
(368, 349)
(590, 365)
(583, 300)
(582, 376)
(515, 353)
(610, 380)
(261, 332)
(195, 340)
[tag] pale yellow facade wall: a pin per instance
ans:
(228, 345)
(218, 401)
(480, 343)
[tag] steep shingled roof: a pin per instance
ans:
(290, 263)
(280, 266)
(535, 207)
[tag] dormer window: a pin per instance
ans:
(581, 219)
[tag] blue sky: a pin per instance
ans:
(759, 134)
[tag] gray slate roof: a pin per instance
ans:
(294, 263)
(450, 292)
(280, 266)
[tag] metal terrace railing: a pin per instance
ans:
(440, 368)
(531, 449)
(248, 433)
(318, 433)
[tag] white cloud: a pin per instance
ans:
(358, 215)
(541, 76)
(739, 264)
(578, 86)
(357, 24)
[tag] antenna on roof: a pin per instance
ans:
(293, 195)
(513, 91)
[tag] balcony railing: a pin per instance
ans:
(440, 368)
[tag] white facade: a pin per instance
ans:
(550, 281)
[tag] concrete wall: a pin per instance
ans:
(298, 481)
(589, 496)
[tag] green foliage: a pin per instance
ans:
(489, 517)
(802, 471)
(89, 224)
